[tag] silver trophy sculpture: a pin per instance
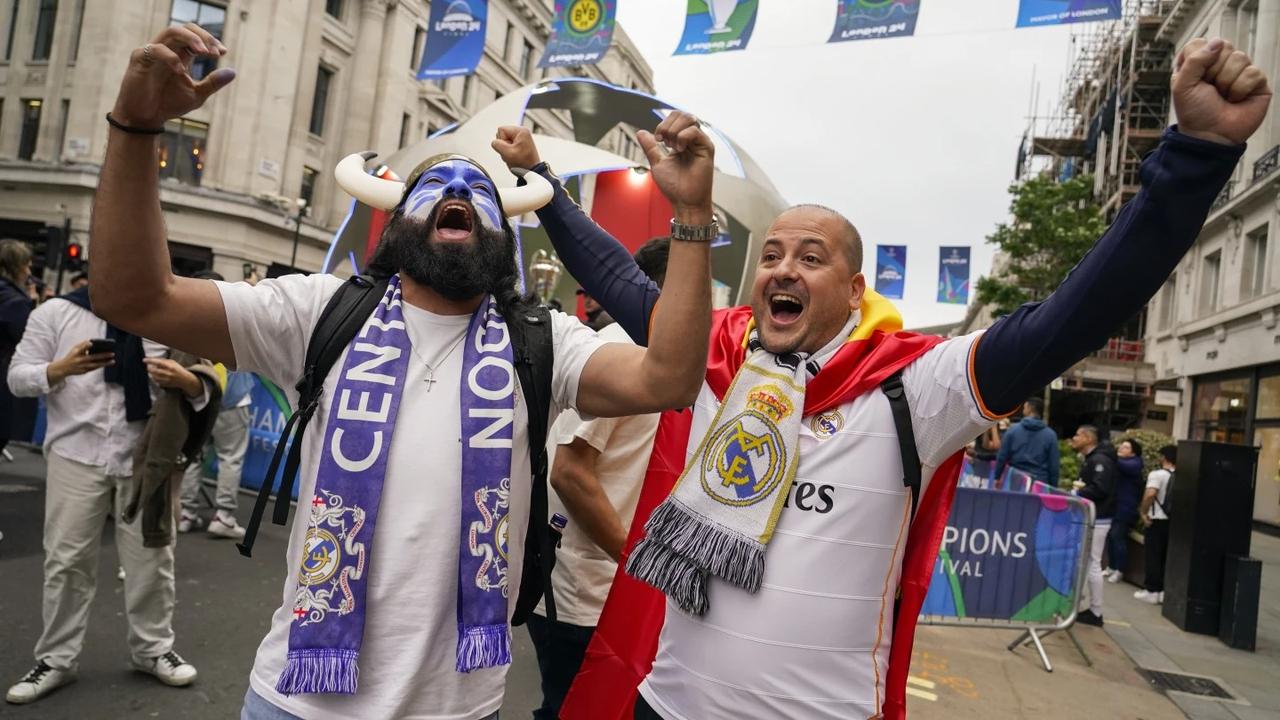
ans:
(545, 269)
(721, 11)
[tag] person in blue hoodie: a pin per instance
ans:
(1128, 492)
(1030, 446)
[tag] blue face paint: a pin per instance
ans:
(454, 180)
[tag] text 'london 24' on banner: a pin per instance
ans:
(455, 38)
(580, 32)
(874, 19)
(891, 270)
(1033, 13)
(712, 26)
(953, 275)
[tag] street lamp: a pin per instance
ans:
(297, 230)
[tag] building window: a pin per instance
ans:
(419, 39)
(1168, 296)
(405, 123)
(507, 41)
(30, 128)
(320, 100)
(45, 17)
(63, 120)
(526, 56)
(75, 40)
(1209, 281)
(307, 190)
(207, 15)
(13, 23)
(334, 8)
(183, 150)
(1219, 409)
(1253, 266)
(466, 91)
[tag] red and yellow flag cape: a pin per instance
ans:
(626, 639)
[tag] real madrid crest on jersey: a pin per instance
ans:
(747, 456)
(826, 425)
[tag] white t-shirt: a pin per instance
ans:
(408, 652)
(1158, 480)
(813, 643)
(584, 572)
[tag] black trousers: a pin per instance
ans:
(1155, 545)
(644, 711)
(560, 648)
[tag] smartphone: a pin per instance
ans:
(102, 345)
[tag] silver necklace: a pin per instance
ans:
(431, 369)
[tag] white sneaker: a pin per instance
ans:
(1147, 596)
(41, 681)
(227, 528)
(120, 573)
(189, 522)
(1161, 599)
(169, 668)
(1114, 576)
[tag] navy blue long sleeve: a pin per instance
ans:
(1024, 351)
(597, 260)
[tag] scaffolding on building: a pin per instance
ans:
(1114, 102)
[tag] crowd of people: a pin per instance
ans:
(659, 498)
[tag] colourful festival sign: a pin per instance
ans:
(268, 412)
(874, 19)
(1034, 13)
(891, 270)
(580, 32)
(455, 38)
(953, 275)
(1009, 556)
(712, 26)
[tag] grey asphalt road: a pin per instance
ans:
(224, 604)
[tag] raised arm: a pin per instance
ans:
(622, 379)
(133, 287)
(592, 256)
(1220, 99)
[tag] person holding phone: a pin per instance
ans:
(99, 383)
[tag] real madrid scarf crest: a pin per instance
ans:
(725, 506)
(337, 554)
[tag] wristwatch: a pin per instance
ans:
(695, 233)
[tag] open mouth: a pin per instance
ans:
(453, 222)
(785, 308)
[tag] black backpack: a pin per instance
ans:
(531, 342)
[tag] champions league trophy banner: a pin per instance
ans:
(953, 275)
(580, 32)
(455, 38)
(1009, 556)
(1033, 13)
(891, 270)
(712, 26)
(874, 19)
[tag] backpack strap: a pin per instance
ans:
(534, 355)
(911, 471)
(341, 319)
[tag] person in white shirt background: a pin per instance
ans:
(1155, 521)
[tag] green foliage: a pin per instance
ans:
(1151, 442)
(1054, 224)
(1068, 465)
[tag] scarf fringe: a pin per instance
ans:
(319, 671)
(722, 551)
(674, 574)
(483, 646)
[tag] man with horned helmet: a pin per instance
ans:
(415, 488)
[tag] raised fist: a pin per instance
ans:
(1218, 93)
(158, 86)
(515, 145)
(682, 161)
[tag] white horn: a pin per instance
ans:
(535, 193)
(372, 191)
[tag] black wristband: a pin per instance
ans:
(132, 130)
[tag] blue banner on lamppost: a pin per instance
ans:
(455, 38)
(874, 19)
(1034, 13)
(580, 32)
(712, 26)
(891, 270)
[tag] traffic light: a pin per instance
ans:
(73, 257)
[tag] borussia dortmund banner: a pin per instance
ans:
(712, 26)
(1033, 13)
(455, 38)
(872, 19)
(580, 32)
(891, 270)
(953, 275)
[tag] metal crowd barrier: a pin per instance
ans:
(1014, 560)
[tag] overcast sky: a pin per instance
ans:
(914, 139)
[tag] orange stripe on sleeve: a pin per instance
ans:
(973, 387)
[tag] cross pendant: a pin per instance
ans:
(431, 380)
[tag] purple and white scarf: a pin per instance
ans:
(329, 609)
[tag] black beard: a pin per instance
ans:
(457, 271)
